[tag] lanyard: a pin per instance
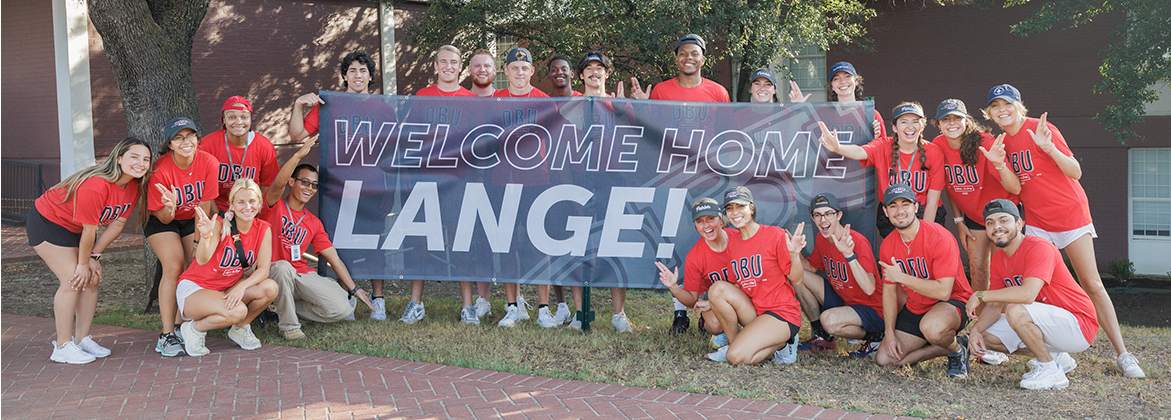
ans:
(290, 209)
(899, 164)
(231, 166)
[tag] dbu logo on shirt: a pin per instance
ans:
(291, 233)
(230, 265)
(916, 267)
(229, 174)
(188, 194)
(917, 180)
(109, 213)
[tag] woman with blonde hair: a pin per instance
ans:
(62, 227)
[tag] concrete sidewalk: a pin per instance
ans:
(285, 382)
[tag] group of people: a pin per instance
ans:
(231, 242)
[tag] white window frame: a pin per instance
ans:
(817, 91)
(501, 44)
(1147, 252)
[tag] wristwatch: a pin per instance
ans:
(980, 296)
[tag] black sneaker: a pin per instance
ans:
(957, 364)
(681, 323)
(701, 326)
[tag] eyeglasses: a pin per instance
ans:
(823, 216)
(307, 183)
(190, 138)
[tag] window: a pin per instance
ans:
(1162, 106)
(1150, 183)
(502, 45)
(808, 69)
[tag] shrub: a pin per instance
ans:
(1122, 269)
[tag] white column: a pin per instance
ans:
(389, 76)
(74, 103)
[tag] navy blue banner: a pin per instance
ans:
(566, 191)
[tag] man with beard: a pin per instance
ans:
(1033, 305)
(482, 68)
(923, 258)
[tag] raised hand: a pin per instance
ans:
(844, 244)
(308, 99)
(304, 150)
(1043, 137)
(796, 239)
(795, 93)
(667, 277)
(203, 224)
(168, 197)
(877, 127)
(997, 154)
(636, 91)
(620, 92)
(829, 139)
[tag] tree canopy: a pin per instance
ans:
(640, 35)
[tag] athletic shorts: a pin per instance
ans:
(1062, 239)
(183, 290)
(972, 224)
(42, 230)
(871, 320)
(180, 227)
(908, 322)
(793, 329)
(1059, 326)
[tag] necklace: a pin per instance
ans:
(907, 244)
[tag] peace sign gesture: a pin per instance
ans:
(996, 154)
(795, 93)
(1043, 137)
(168, 197)
(844, 244)
(636, 91)
(620, 92)
(829, 139)
(796, 239)
(203, 224)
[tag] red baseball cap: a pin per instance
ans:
(232, 102)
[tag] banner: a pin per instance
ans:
(566, 191)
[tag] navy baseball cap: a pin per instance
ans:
(1001, 205)
(176, 125)
(824, 200)
(705, 207)
(908, 109)
(951, 107)
(739, 195)
(518, 54)
(897, 191)
(593, 56)
(841, 66)
(765, 73)
(691, 39)
(1006, 92)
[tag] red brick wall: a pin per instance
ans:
(28, 79)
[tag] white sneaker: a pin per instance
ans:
(1063, 359)
(244, 337)
(511, 317)
(993, 357)
(468, 315)
(719, 340)
(1047, 376)
(193, 340)
(545, 318)
(483, 308)
(1129, 365)
(414, 313)
(620, 323)
(379, 313)
(720, 355)
(562, 316)
(353, 306)
(71, 354)
(574, 324)
(787, 354)
(88, 345)
(523, 306)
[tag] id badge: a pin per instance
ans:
(294, 253)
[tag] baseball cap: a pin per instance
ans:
(1001, 205)
(765, 73)
(951, 107)
(908, 109)
(739, 195)
(232, 102)
(518, 54)
(176, 125)
(897, 191)
(705, 208)
(691, 39)
(841, 66)
(593, 56)
(1006, 92)
(824, 200)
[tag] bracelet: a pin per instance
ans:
(354, 290)
(205, 236)
(96, 256)
(998, 167)
(958, 220)
(851, 258)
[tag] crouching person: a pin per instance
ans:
(213, 292)
(1033, 305)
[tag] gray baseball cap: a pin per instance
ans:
(897, 191)
(739, 195)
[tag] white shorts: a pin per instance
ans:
(1062, 239)
(1059, 326)
(184, 289)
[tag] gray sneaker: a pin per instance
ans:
(545, 318)
(169, 345)
(511, 317)
(468, 315)
(483, 308)
(88, 345)
(522, 307)
(414, 313)
(563, 314)
(620, 323)
(787, 354)
(379, 313)
(957, 364)
(353, 306)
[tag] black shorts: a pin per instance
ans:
(885, 228)
(972, 225)
(42, 230)
(909, 322)
(793, 329)
(180, 227)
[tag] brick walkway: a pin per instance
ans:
(286, 382)
(15, 244)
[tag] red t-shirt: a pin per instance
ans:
(534, 93)
(223, 269)
(299, 228)
(760, 266)
(881, 134)
(312, 121)
(1038, 258)
(432, 90)
(192, 185)
(95, 202)
(878, 156)
(1053, 201)
(704, 266)
(707, 91)
(827, 258)
(257, 161)
(970, 187)
(932, 255)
